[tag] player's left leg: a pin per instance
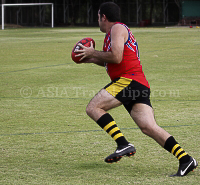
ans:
(143, 116)
(96, 109)
(101, 103)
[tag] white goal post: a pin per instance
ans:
(29, 4)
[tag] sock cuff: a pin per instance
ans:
(169, 143)
(104, 120)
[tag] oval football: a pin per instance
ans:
(86, 42)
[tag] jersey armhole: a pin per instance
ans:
(127, 31)
(128, 38)
(128, 34)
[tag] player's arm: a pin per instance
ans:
(119, 35)
(95, 61)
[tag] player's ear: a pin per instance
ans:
(104, 17)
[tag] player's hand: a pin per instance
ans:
(85, 52)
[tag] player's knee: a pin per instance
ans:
(149, 130)
(89, 110)
(146, 130)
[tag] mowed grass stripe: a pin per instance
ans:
(79, 131)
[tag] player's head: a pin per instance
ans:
(111, 11)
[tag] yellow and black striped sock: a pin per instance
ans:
(173, 147)
(107, 123)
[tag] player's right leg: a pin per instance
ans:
(143, 116)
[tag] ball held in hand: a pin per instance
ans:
(85, 42)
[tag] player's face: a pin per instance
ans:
(101, 25)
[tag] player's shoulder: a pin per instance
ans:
(119, 27)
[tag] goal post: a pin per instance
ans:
(29, 4)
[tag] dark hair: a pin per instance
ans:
(111, 11)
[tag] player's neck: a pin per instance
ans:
(109, 26)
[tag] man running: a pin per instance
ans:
(128, 87)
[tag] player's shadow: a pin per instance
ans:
(94, 165)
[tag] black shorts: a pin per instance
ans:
(129, 92)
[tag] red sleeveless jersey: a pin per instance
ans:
(130, 66)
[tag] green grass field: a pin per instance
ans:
(46, 136)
